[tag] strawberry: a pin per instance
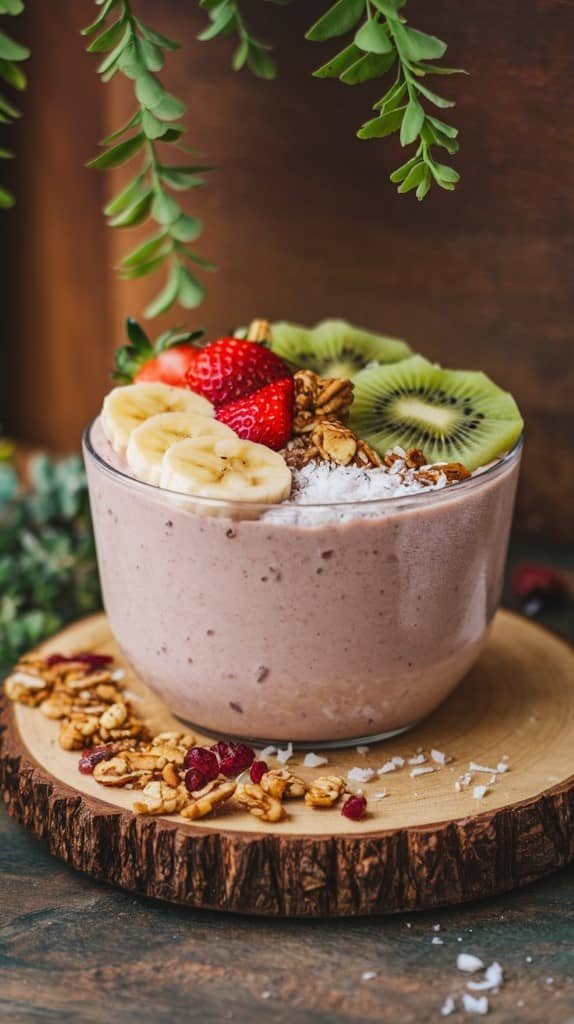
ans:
(166, 360)
(230, 368)
(266, 416)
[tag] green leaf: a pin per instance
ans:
(240, 56)
(144, 252)
(169, 108)
(12, 74)
(158, 39)
(373, 38)
(149, 90)
(109, 61)
(370, 65)
(179, 179)
(185, 228)
(422, 46)
(442, 126)
(130, 63)
(153, 129)
(118, 155)
(340, 18)
(196, 258)
(442, 173)
(100, 20)
(137, 336)
(439, 69)
(152, 55)
(380, 127)
(392, 98)
(135, 214)
(165, 209)
(132, 123)
(6, 199)
(10, 50)
(167, 296)
(6, 154)
(339, 63)
(386, 7)
(223, 20)
(402, 171)
(126, 197)
(439, 101)
(424, 186)
(191, 292)
(11, 6)
(8, 108)
(261, 64)
(130, 273)
(412, 122)
(413, 178)
(108, 39)
(173, 133)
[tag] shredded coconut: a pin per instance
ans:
(493, 978)
(399, 761)
(418, 759)
(436, 927)
(439, 757)
(436, 941)
(468, 963)
(368, 975)
(381, 794)
(463, 782)
(388, 766)
(362, 750)
(447, 1007)
(360, 774)
(284, 755)
(488, 771)
(472, 1005)
(421, 771)
(312, 760)
(479, 792)
(267, 752)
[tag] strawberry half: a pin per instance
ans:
(169, 367)
(266, 416)
(231, 368)
(166, 360)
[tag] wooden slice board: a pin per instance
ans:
(423, 845)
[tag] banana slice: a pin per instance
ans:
(149, 442)
(126, 407)
(226, 468)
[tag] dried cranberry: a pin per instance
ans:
(90, 758)
(258, 769)
(204, 761)
(88, 658)
(194, 780)
(355, 807)
(234, 758)
(537, 587)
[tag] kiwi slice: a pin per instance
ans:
(453, 415)
(334, 348)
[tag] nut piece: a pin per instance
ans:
(334, 441)
(160, 799)
(206, 800)
(114, 717)
(317, 397)
(280, 783)
(259, 803)
(260, 331)
(325, 791)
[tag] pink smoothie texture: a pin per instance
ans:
(314, 633)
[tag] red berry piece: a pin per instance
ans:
(231, 368)
(257, 771)
(194, 780)
(88, 658)
(90, 758)
(536, 587)
(169, 366)
(234, 758)
(202, 760)
(354, 807)
(265, 417)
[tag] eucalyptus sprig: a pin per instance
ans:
(383, 40)
(226, 19)
(138, 52)
(11, 56)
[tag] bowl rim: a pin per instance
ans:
(426, 497)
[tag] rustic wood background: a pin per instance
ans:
(301, 220)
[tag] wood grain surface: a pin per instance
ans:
(424, 845)
(301, 219)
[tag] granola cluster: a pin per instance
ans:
(414, 463)
(320, 430)
(85, 695)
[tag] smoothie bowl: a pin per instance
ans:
(277, 574)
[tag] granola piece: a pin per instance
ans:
(366, 457)
(160, 799)
(280, 783)
(415, 458)
(299, 451)
(335, 441)
(205, 800)
(454, 472)
(325, 791)
(114, 717)
(317, 397)
(260, 803)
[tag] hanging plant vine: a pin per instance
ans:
(11, 56)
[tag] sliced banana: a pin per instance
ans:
(149, 442)
(126, 407)
(226, 468)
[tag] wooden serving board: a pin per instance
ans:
(423, 845)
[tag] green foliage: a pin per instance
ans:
(225, 19)
(48, 573)
(11, 56)
(384, 40)
(138, 52)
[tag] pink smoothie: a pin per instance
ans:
(312, 633)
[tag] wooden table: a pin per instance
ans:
(73, 951)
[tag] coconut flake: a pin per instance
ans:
(362, 750)
(29, 681)
(487, 771)
(447, 1007)
(479, 792)
(421, 771)
(286, 754)
(468, 963)
(360, 774)
(436, 927)
(388, 766)
(380, 795)
(312, 760)
(493, 979)
(118, 675)
(267, 752)
(472, 1005)
(436, 941)
(463, 782)
(417, 759)
(368, 975)
(439, 757)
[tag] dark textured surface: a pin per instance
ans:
(78, 952)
